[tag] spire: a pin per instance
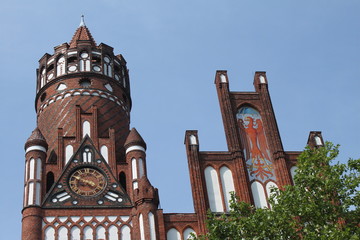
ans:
(82, 21)
(134, 138)
(82, 34)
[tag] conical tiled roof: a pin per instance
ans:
(82, 34)
(36, 138)
(134, 138)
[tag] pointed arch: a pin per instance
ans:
(213, 189)
(227, 183)
(152, 226)
(258, 193)
(173, 234)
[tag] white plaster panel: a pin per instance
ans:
(227, 185)
(113, 233)
(141, 167)
(37, 193)
(134, 168)
(69, 151)
(62, 233)
(293, 172)
(223, 78)
(100, 232)
(187, 233)
(133, 148)
(100, 218)
(173, 234)
(112, 218)
(152, 226)
(88, 233)
(124, 218)
(125, 233)
(31, 193)
(193, 140)
(86, 128)
(38, 169)
(142, 230)
(75, 233)
(104, 152)
(35, 148)
(213, 190)
(258, 195)
(32, 168)
(269, 186)
(49, 233)
(88, 218)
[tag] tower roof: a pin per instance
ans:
(82, 34)
(134, 138)
(36, 138)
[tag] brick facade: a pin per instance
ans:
(86, 174)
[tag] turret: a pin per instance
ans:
(35, 155)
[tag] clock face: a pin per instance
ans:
(87, 182)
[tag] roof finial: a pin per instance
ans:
(82, 21)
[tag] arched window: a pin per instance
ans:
(84, 61)
(107, 66)
(122, 179)
(49, 181)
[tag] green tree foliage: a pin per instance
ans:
(323, 204)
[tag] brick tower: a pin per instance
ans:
(85, 170)
(85, 174)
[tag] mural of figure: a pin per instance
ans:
(262, 139)
(252, 136)
(256, 149)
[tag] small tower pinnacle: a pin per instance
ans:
(82, 21)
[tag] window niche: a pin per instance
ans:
(87, 154)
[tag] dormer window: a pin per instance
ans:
(107, 66)
(84, 62)
(60, 66)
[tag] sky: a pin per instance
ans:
(309, 49)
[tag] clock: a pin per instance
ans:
(87, 182)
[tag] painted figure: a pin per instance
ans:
(256, 149)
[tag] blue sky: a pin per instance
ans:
(309, 49)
